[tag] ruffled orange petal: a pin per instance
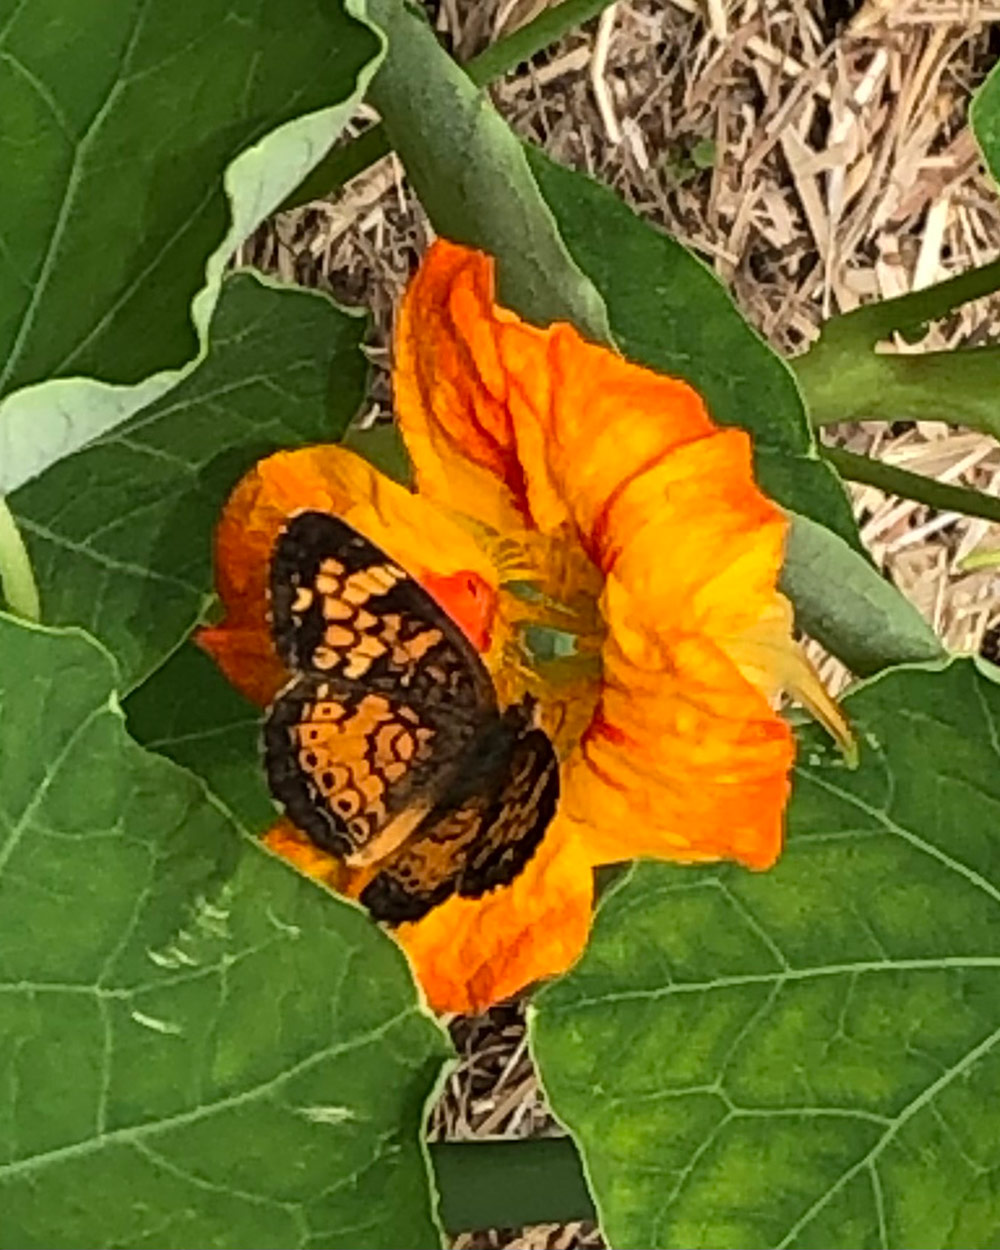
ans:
(685, 728)
(560, 422)
(470, 953)
(427, 543)
(685, 757)
(688, 764)
(285, 840)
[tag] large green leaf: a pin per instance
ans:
(124, 135)
(808, 1057)
(197, 1046)
(670, 312)
(120, 533)
(471, 174)
(189, 712)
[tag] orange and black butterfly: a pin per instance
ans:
(387, 747)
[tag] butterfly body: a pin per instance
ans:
(387, 747)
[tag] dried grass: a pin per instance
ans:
(494, 1093)
(817, 154)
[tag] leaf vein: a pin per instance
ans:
(908, 1112)
(137, 1132)
(913, 839)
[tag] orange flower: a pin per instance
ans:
(604, 546)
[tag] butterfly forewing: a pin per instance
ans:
(341, 608)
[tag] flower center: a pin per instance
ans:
(550, 634)
(539, 629)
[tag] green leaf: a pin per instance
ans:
(807, 1057)
(472, 175)
(120, 533)
(669, 311)
(197, 1045)
(984, 117)
(848, 606)
(190, 713)
(177, 108)
(704, 154)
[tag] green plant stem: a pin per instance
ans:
(16, 575)
(521, 45)
(504, 1184)
(843, 378)
(346, 162)
(926, 490)
(871, 323)
(960, 387)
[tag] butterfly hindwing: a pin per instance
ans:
(478, 837)
(425, 869)
(516, 822)
(341, 608)
(354, 767)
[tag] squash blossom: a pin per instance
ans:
(604, 546)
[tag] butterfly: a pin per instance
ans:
(387, 747)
